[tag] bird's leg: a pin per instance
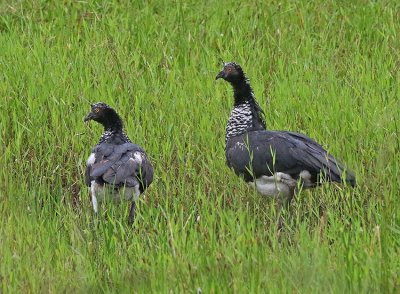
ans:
(322, 218)
(94, 199)
(95, 204)
(132, 213)
(283, 208)
(284, 197)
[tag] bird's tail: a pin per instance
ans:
(337, 172)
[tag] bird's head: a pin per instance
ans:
(231, 72)
(103, 114)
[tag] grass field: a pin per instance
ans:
(329, 69)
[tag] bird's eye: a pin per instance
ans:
(96, 110)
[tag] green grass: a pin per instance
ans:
(329, 69)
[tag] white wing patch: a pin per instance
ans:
(91, 159)
(138, 157)
(241, 145)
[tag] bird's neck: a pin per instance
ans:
(242, 91)
(112, 122)
(246, 114)
(114, 132)
(115, 127)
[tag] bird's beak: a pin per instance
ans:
(220, 75)
(88, 117)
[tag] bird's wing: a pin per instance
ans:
(314, 153)
(261, 153)
(118, 164)
(265, 152)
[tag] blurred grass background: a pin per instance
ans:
(329, 69)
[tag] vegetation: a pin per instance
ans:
(329, 69)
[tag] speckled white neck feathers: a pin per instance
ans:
(240, 120)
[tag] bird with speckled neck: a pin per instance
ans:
(276, 163)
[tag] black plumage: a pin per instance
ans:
(117, 168)
(274, 161)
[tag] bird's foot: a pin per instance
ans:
(132, 213)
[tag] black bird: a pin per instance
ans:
(273, 161)
(117, 168)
